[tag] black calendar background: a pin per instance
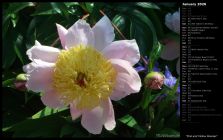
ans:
(203, 125)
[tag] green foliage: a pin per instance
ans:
(148, 5)
(128, 120)
(154, 55)
(43, 127)
(46, 112)
(138, 115)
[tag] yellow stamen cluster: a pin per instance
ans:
(84, 76)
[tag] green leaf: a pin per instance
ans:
(44, 9)
(168, 132)
(157, 20)
(121, 7)
(14, 19)
(146, 98)
(155, 96)
(68, 4)
(8, 53)
(148, 5)
(143, 31)
(66, 130)
(39, 29)
(42, 127)
(8, 82)
(31, 32)
(89, 6)
(123, 24)
(128, 120)
(13, 109)
(131, 122)
(173, 121)
(80, 133)
(17, 47)
(5, 26)
(154, 55)
(118, 20)
(141, 34)
(151, 112)
(159, 124)
(11, 14)
(165, 107)
(6, 128)
(17, 6)
(140, 134)
(61, 8)
(46, 112)
(143, 18)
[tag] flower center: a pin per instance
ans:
(83, 76)
(81, 80)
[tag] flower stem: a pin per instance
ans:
(146, 98)
(85, 16)
(55, 42)
(116, 28)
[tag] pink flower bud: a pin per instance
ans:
(20, 82)
(154, 80)
(20, 85)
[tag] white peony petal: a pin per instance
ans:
(118, 95)
(62, 33)
(75, 113)
(127, 81)
(39, 75)
(92, 120)
(109, 115)
(103, 33)
(45, 53)
(51, 99)
(79, 33)
(37, 43)
(124, 49)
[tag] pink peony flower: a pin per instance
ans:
(87, 74)
(171, 51)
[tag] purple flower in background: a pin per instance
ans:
(140, 68)
(156, 67)
(143, 66)
(170, 81)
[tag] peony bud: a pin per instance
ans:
(21, 77)
(20, 82)
(154, 80)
